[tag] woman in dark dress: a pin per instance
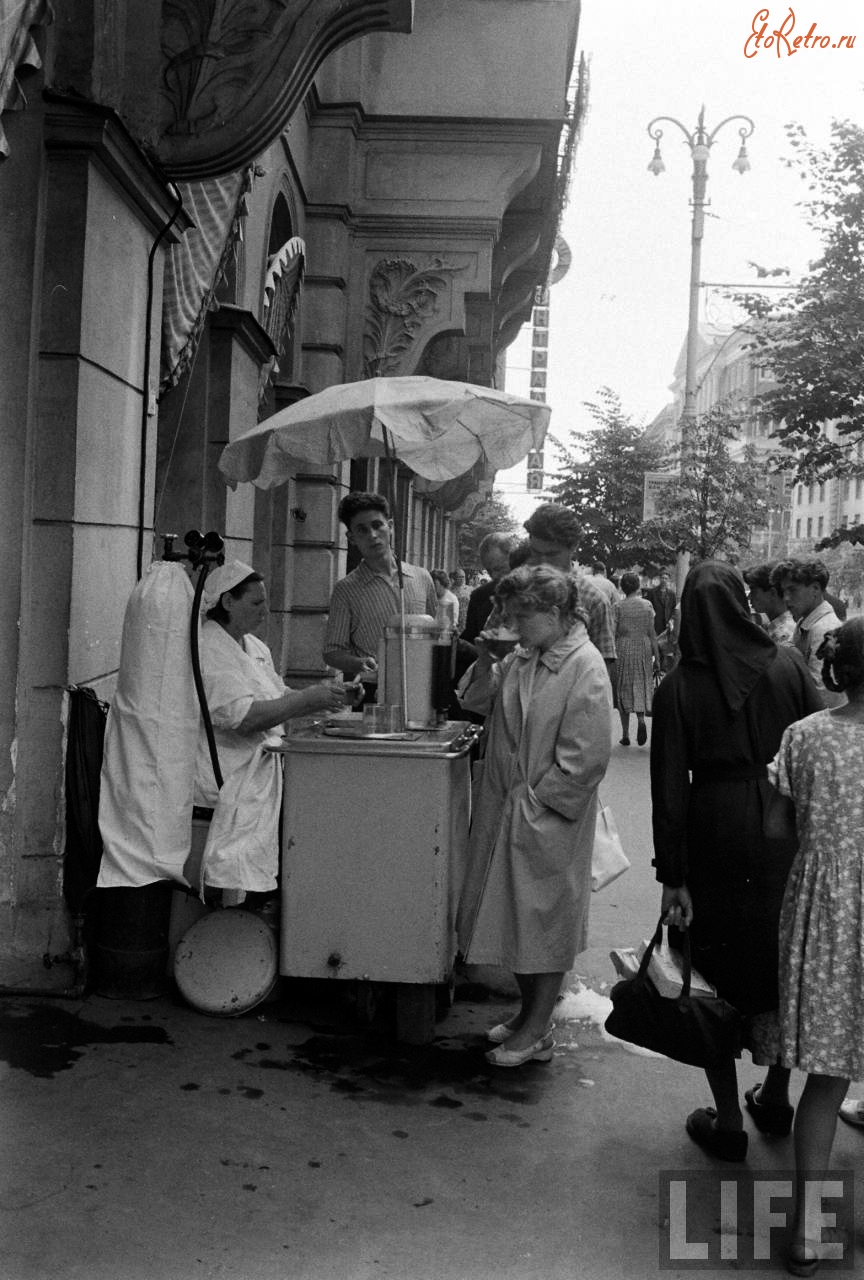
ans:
(718, 721)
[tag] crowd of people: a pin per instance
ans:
(757, 807)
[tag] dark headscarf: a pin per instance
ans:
(717, 631)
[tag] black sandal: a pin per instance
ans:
(725, 1144)
(769, 1117)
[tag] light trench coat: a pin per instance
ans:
(524, 903)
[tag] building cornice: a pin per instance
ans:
(75, 126)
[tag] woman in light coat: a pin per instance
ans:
(524, 904)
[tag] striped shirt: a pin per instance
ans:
(364, 602)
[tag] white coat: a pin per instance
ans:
(524, 903)
(242, 849)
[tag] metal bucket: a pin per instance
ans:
(130, 952)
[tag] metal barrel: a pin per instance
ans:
(130, 951)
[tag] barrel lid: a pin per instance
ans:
(227, 963)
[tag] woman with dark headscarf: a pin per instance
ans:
(718, 721)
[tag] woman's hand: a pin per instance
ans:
(676, 906)
(332, 695)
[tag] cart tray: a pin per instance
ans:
(357, 731)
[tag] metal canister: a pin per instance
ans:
(418, 634)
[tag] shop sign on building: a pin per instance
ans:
(655, 481)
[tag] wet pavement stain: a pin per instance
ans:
(366, 1068)
(43, 1039)
(515, 1120)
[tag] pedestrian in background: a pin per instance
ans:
(603, 583)
(718, 721)
(638, 651)
(447, 613)
(802, 583)
(767, 600)
(494, 552)
(460, 590)
(527, 889)
(818, 771)
(664, 600)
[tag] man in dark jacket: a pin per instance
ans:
(494, 552)
(664, 600)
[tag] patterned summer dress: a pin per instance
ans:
(634, 628)
(822, 918)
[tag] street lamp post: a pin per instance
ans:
(700, 142)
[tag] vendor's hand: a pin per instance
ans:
(367, 666)
(329, 696)
(676, 906)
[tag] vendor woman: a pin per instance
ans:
(248, 704)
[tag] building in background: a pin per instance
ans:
(727, 373)
(211, 212)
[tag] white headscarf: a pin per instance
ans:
(222, 579)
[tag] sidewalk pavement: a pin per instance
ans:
(146, 1141)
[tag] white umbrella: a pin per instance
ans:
(439, 429)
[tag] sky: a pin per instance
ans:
(619, 316)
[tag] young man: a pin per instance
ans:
(553, 538)
(553, 535)
(767, 600)
(363, 602)
(802, 584)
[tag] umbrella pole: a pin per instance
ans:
(403, 647)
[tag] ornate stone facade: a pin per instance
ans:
(414, 150)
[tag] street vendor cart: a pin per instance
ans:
(375, 831)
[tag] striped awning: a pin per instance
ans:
(196, 264)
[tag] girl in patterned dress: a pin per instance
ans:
(636, 644)
(818, 771)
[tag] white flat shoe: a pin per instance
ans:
(503, 1031)
(539, 1051)
(852, 1111)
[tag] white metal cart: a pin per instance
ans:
(375, 833)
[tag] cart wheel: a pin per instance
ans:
(415, 1012)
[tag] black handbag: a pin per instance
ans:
(703, 1031)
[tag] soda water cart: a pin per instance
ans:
(374, 839)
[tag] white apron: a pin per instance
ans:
(242, 849)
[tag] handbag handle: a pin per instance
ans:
(687, 969)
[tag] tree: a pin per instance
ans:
(718, 500)
(811, 339)
(494, 516)
(602, 478)
(845, 562)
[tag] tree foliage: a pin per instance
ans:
(494, 516)
(845, 561)
(811, 339)
(719, 499)
(601, 477)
